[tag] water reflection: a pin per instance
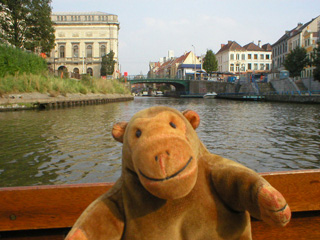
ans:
(75, 145)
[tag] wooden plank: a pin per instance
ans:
(300, 188)
(43, 207)
(303, 226)
(46, 206)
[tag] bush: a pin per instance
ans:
(44, 83)
(15, 61)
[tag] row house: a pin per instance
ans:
(234, 58)
(82, 39)
(184, 67)
(303, 35)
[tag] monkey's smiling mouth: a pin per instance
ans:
(169, 177)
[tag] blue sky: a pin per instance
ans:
(149, 28)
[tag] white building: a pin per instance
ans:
(237, 59)
(82, 38)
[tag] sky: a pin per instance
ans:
(150, 28)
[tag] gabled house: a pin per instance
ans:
(183, 67)
(233, 58)
(303, 35)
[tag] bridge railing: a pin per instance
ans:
(140, 77)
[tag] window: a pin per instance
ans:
(255, 56)
(89, 51)
(261, 56)
(102, 50)
(249, 56)
(75, 51)
(238, 68)
(261, 66)
(90, 71)
(249, 66)
(238, 56)
(267, 66)
(268, 56)
(256, 66)
(232, 56)
(231, 67)
(243, 57)
(62, 51)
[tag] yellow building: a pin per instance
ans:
(82, 38)
(309, 42)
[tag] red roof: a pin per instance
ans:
(232, 45)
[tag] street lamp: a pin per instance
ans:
(195, 62)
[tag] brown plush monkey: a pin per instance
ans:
(173, 188)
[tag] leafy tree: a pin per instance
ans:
(27, 24)
(40, 34)
(316, 62)
(13, 25)
(107, 64)
(103, 70)
(210, 63)
(296, 60)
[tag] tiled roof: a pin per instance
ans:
(297, 31)
(284, 37)
(171, 62)
(267, 47)
(293, 32)
(232, 45)
(252, 47)
(182, 58)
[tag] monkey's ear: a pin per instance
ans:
(118, 131)
(192, 117)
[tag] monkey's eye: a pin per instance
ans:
(138, 133)
(173, 125)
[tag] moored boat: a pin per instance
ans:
(48, 212)
(210, 95)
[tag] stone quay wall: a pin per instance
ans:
(26, 101)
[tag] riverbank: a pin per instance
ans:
(28, 101)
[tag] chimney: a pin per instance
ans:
(259, 43)
(222, 45)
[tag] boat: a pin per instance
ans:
(242, 97)
(210, 95)
(48, 212)
(159, 94)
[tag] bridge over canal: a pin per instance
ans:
(182, 86)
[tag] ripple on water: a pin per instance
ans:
(75, 145)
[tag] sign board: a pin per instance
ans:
(125, 74)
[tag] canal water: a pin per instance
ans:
(74, 145)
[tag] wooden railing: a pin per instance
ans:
(48, 212)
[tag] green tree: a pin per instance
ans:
(296, 61)
(40, 34)
(107, 64)
(27, 24)
(210, 63)
(103, 70)
(13, 25)
(316, 62)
